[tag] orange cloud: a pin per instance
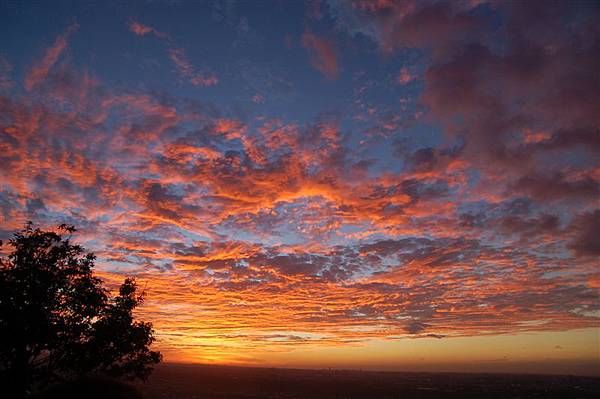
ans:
(178, 57)
(257, 237)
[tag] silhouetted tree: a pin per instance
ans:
(57, 322)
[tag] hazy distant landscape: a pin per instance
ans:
(212, 382)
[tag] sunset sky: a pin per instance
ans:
(391, 185)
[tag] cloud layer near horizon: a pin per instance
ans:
(271, 231)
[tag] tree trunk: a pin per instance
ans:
(19, 374)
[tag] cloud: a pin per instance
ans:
(405, 77)
(5, 74)
(558, 186)
(500, 93)
(438, 336)
(178, 57)
(246, 227)
(142, 30)
(38, 72)
(430, 25)
(489, 84)
(395, 25)
(587, 237)
(323, 55)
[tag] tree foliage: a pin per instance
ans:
(58, 322)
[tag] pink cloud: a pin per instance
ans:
(177, 55)
(5, 72)
(405, 77)
(140, 29)
(39, 71)
(185, 67)
(323, 55)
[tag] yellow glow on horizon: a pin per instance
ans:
(569, 352)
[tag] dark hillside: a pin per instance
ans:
(220, 382)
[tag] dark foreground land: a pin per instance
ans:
(220, 382)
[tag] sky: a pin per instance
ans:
(373, 184)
